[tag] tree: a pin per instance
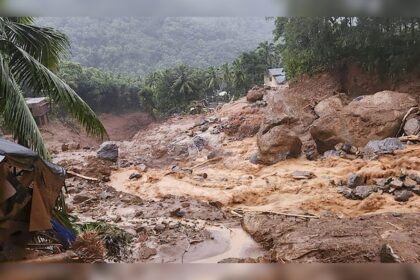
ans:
(212, 79)
(28, 56)
(183, 85)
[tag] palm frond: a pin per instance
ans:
(44, 44)
(16, 113)
(30, 73)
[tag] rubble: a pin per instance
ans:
(299, 175)
(402, 187)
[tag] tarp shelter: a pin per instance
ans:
(29, 189)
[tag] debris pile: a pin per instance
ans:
(402, 187)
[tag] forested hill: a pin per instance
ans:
(140, 45)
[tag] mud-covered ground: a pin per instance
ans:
(186, 191)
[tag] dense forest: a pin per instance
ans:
(141, 45)
(389, 46)
(169, 90)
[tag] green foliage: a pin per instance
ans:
(172, 90)
(140, 45)
(103, 91)
(27, 55)
(389, 46)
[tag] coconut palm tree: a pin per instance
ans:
(28, 58)
(184, 86)
(212, 79)
(266, 51)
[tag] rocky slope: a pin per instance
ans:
(303, 169)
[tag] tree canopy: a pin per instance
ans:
(140, 45)
(387, 45)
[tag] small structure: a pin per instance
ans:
(29, 191)
(39, 107)
(274, 77)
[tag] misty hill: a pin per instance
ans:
(140, 45)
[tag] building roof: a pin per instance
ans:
(276, 72)
(35, 100)
(280, 79)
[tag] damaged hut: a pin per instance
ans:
(29, 190)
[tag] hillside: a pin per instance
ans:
(140, 45)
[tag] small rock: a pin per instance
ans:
(345, 191)
(332, 153)
(178, 213)
(355, 180)
(396, 183)
(254, 158)
(77, 199)
(160, 227)
(412, 126)
(409, 183)
(415, 177)
(416, 190)
(105, 195)
(362, 192)
(402, 195)
(204, 128)
(117, 219)
(142, 167)
(216, 204)
(212, 155)
(381, 182)
(203, 175)
(135, 176)
(387, 255)
(215, 130)
(138, 214)
(185, 204)
(300, 175)
(199, 142)
(146, 252)
(247, 177)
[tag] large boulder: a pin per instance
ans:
(276, 141)
(255, 94)
(366, 118)
(108, 151)
(328, 106)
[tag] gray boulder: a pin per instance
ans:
(361, 192)
(380, 147)
(412, 126)
(108, 151)
(402, 196)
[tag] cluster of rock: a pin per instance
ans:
(402, 187)
(340, 128)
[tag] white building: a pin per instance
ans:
(274, 77)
